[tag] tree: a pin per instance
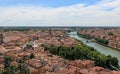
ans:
(29, 46)
(22, 68)
(103, 41)
(9, 70)
(110, 34)
(62, 53)
(26, 70)
(1, 72)
(7, 61)
(32, 56)
(85, 52)
(114, 62)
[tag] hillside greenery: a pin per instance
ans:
(84, 52)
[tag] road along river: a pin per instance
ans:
(103, 49)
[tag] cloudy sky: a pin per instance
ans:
(59, 12)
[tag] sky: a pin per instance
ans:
(59, 12)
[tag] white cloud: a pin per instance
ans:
(110, 3)
(79, 14)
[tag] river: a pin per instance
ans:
(103, 49)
